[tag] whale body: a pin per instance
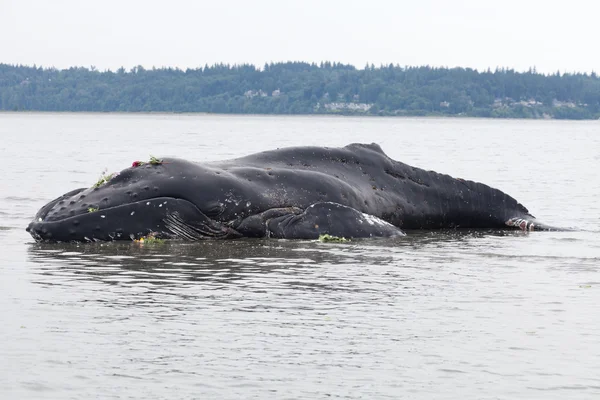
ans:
(293, 193)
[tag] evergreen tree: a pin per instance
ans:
(300, 88)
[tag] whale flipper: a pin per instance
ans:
(333, 219)
(318, 219)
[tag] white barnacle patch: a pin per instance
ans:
(160, 205)
(373, 220)
(133, 212)
(103, 216)
(148, 203)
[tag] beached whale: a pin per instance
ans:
(292, 193)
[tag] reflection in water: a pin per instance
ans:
(382, 267)
(173, 261)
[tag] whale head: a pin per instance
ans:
(172, 198)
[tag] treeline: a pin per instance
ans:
(303, 88)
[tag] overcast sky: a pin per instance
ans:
(107, 34)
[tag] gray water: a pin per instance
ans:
(434, 315)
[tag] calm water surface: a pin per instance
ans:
(445, 315)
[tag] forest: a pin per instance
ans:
(304, 88)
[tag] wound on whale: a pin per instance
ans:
(355, 191)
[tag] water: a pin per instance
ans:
(487, 315)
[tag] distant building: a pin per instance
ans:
(557, 103)
(530, 103)
(253, 93)
(361, 107)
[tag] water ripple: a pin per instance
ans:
(442, 315)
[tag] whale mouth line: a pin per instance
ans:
(133, 219)
(95, 211)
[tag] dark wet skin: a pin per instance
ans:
(235, 198)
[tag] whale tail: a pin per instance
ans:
(531, 224)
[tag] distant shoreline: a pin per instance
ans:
(237, 115)
(297, 88)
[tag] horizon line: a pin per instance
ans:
(530, 69)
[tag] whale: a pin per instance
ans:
(356, 191)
